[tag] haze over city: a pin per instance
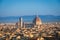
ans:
(29, 7)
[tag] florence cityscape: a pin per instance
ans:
(29, 20)
(35, 30)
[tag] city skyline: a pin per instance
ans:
(29, 7)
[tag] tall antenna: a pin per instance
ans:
(37, 13)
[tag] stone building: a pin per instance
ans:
(37, 21)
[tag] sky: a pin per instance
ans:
(29, 7)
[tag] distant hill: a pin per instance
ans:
(44, 18)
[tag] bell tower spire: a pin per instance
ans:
(21, 21)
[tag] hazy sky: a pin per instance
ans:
(29, 7)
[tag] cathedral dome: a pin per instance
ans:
(37, 21)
